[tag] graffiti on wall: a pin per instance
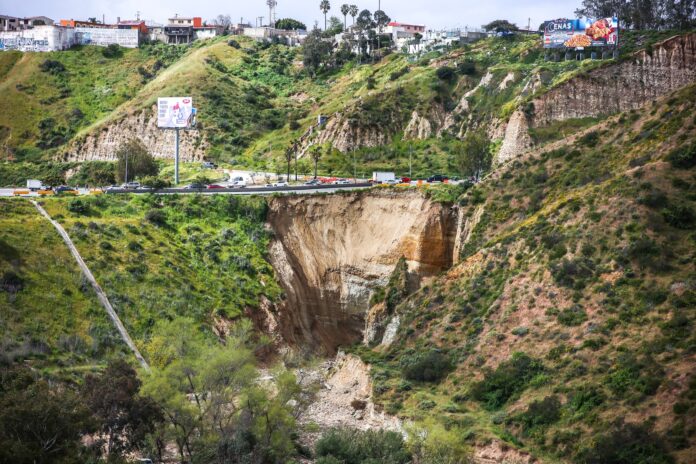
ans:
(24, 44)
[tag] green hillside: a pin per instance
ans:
(254, 99)
(157, 258)
(573, 307)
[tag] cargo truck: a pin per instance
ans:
(380, 177)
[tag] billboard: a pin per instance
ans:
(581, 33)
(175, 112)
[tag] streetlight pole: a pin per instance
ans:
(126, 155)
(410, 164)
(176, 156)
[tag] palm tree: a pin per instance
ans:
(354, 12)
(315, 153)
(324, 6)
(289, 154)
(345, 9)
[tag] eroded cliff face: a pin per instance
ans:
(102, 144)
(331, 251)
(627, 85)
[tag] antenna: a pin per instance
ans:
(137, 15)
(271, 11)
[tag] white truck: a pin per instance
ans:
(34, 184)
(382, 177)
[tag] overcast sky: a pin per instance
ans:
(432, 13)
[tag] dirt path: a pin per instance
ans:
(100, 293)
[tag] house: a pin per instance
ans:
(180, 30)
(410, 29)
(137, 24)
(12, 23)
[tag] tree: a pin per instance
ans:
(335, 27)
(365, 25)
(289, 155)
(40, 423)
(289, 24)
(223, 21)
(315, 52)
(138, 160)
(345, 9)
(353, 12)
(417, 39)
(475, 156)
(125, 417)
(500, 25)
(324, 6)
(315, 153)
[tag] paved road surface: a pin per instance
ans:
(252, 190)
(100, 293)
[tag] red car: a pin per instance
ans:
(405, 180)
(215, 186)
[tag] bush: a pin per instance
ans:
(632, 374)
(348, 446)
(11, 282)
(508, 380)
(233, 43)
(573, 316)
(112, 51)
(625, 444)
(78, 206)
(446, 73)
(157, 217)
(52, 67)
(541, 413)
(680, 216)
(467, 68)
(585, 399)
(683, 157)
(398, 73)
(430, 366)
(573, 273)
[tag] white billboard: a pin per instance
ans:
(174, 112)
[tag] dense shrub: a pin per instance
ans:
(78, 206)
(156, 217)
(467, 68)
(52, 67)
(11, 282)
(683, 157)
(625, 444)
(348, 446)
(542, 412)
(585, 398)
(647, 253)
(680, 216)
(398, 73)
(112, 51)
(446, 73)
(573, 273)
(653, 199)
(506, 381)
(429, 366)
(573, 316)
(633, 374)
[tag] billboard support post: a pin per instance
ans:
(176, 156)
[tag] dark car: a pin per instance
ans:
(215, 186)
(195, 186)
(64, 189)
(437, 178)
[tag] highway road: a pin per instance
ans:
(253, 190)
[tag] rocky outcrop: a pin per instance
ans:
(102, 143)
(624, 86)
(330, 252)
(516, 139)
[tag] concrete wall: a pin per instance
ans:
(128, 38)
(38, 39)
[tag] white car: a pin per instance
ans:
(391, 182)
(281, 184)
(342, 182)
(238, 184)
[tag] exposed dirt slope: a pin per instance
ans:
(330, 252)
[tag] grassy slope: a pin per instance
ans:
(202, 257)
(584, 260)
(55, 319)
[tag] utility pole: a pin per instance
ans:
(355, 169)
(295, 163)
(125, 152)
